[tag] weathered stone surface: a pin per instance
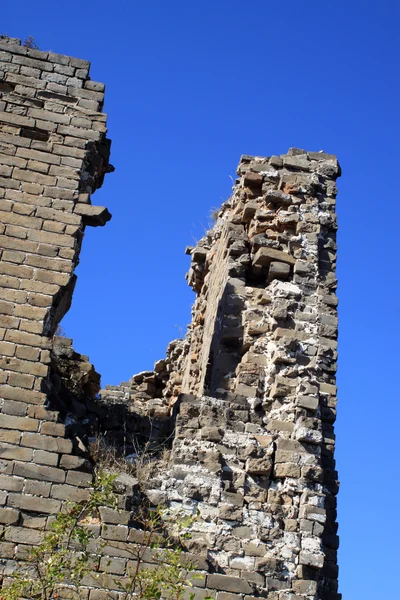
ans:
(265, 256)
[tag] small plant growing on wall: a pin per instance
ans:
(65, 556)
(29, 42)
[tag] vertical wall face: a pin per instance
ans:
(53, 154)
(254, 444)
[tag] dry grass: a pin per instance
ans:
(146, 464)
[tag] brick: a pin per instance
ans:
(46, 157)
(11, 483)
(68, 151)
(116, 566)
(72, 462)
(20, 220)
(52, 264)
(20, 243)
(19, 271)
(32, 188)
(9, 282)
(13, 296)
(31, 62)
(8, 322)
(326, 388)
(47, 115)
(118, 533)
(17, 232)
(21, 380)
(5, 170)
(9, 516)
(10, 407)
(7, 348)
(14, 140)
(52, 277)
(40, 472)
(42, 457)
(50, 428)
(30, 312)
(42, 413)
(13, 256)
(38, 488)
(70, 184)
(21, 535)
(23, 175)
(7, 117)
(114, 517)
(79, 479)
(308, 402)
(228, 584)
(70, 493)
(31, 354)
(64, 171)
(28, 339)
(44, 442)
(40, 299)
(9, 436)
(15, 452)
(7, 550)
(6, 205)
(47, 249)
(58, 215)
(51, 238)
(56, 227)
(86, 134)
(19, 423)
(8, 183)
(29, 396)
(40, 167)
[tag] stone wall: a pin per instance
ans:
(246, 402)
(254, 438)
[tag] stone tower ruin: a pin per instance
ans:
(246, 402)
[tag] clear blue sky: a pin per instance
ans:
(190, 87)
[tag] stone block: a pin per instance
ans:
(265, 256)
(20, 535)
(278, 197)
(117, 533)
(308, 402)
(278, 270)
(287, 470)
(310, 559)
(259, 466)
(227, 583)
(45, 442)
(34, 503)
(251, 179)
(70, 493)
(9, 516)
(9, 452)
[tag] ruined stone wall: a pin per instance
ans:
(246, 401)
(254, 442)
(254, 438)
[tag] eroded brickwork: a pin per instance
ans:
(254, 438)
(247, 399)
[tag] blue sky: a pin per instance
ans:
(190, 87)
